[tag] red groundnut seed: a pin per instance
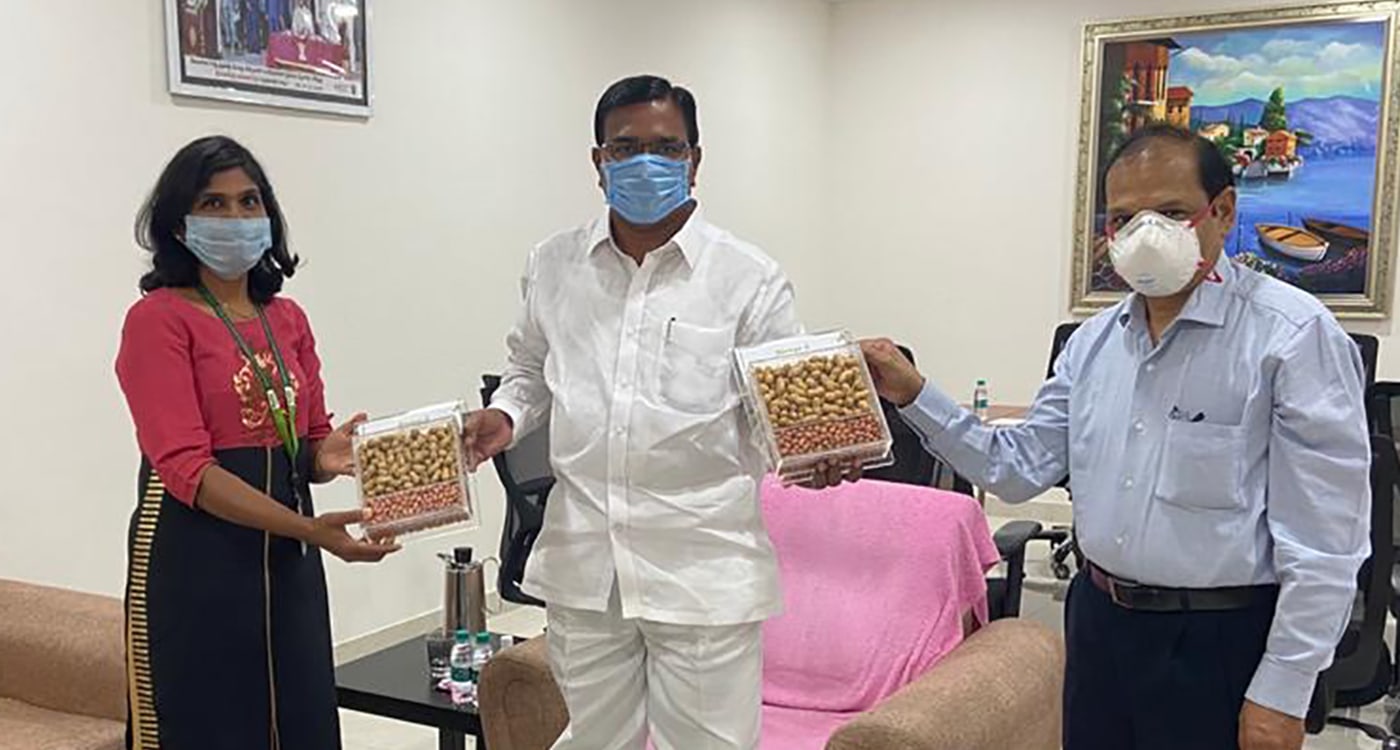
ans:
(823, 437)
(417, 509)
(411, 481)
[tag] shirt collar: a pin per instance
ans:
(689, 238)
(1212, 297)
(1207, 304)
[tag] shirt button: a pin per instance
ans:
(619, 431)
(1119, 540)
(1128, 483)
(1151, 366)
(1139, 426)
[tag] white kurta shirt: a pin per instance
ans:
(657, 473)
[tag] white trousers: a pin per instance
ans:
(688, 687)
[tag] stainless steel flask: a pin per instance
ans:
(464, 592)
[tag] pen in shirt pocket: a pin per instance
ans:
(669, 324)
(1179, 415)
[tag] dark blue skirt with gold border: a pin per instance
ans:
(228, 633)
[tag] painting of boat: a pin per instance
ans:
(1255, 170)
(1280, 170)
(1292, 241)
(1336, 232)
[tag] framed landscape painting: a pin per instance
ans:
(302, 54)
(1302, 103)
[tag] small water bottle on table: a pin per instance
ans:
(482, 652)
(463, 678)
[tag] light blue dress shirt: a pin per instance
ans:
(1234, 452)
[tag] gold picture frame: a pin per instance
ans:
(274, 53)
(1289, 175)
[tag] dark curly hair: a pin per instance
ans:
(162, 219)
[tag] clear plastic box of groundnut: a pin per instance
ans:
(811, 400)
(412, 472)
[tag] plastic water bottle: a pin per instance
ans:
(482, 653)
(463, 677)
(981, 401)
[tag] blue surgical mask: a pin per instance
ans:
(229, 248)
(646, 188)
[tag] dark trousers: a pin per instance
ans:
(1150, 681)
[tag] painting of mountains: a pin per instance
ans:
(1295, 108)
(1339, 124)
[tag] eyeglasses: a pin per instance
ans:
(1115, 224)
(626, 148)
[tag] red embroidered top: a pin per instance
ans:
(192, 392)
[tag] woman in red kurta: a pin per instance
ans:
(228, 629)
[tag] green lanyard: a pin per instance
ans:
(284, 418)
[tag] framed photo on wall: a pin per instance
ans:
(1303, 102)
(302, 54)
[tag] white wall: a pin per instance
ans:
(414, 224)
(911, 162)
(953, 144)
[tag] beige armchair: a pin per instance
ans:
(62, 670)
(999, 690)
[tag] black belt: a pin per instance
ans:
(1136, 596)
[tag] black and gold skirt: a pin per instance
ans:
(228, 640)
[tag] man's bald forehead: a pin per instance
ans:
(1165, 158)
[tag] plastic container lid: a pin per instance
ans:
(812, 401)
(412, 472)
(462, 636)
(483, 637)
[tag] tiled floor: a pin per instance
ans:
(1041, 602)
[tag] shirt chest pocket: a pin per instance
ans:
(1202, 466)
(693, 372)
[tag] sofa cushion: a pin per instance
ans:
(26, 727)
(62, 650)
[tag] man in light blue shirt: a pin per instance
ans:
(1213, 429)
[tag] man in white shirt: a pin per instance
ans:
(653, 558)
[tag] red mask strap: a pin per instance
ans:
(1200, 216)
(1214, 275)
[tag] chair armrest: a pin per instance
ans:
(1000, 689)
(521, 706)
(1011, 539)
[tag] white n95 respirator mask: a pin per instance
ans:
(1156, 255)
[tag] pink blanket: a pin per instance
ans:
(876, 579)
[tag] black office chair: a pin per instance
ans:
(914, 465)
(1361, 671)
(1370, 347)
(1383, 407)
(527, 477)
(1063, 545)
(1382, 414)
